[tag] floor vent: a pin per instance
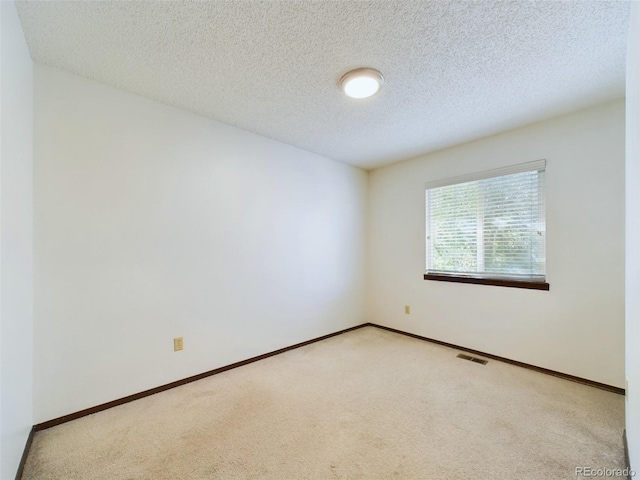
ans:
(472, 359)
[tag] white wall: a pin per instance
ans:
(16, 240)
(578, 326)
(152, 223)
(632, 271)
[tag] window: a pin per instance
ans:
(488, 228)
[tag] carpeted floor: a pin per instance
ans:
(367, 404)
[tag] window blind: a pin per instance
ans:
(492, 226)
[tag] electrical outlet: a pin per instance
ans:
(407, 309)
(178, 344)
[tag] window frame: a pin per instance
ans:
(535, 282)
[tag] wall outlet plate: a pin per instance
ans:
(178, 344)
(407, 309)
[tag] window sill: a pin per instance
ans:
(488, 281)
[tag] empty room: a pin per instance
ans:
(293, 239)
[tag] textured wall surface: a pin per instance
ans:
(633, 240)
(153, 223)
(578, 326)
(16, 241)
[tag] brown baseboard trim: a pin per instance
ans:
(566, 376)
(177, 383)
(25, 453)
(626, 452)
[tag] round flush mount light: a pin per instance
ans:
(361, 82)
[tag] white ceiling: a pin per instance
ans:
(454, 70)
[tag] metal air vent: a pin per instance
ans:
(473, 359)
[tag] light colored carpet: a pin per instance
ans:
(367, 404)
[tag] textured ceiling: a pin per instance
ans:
(454, 70)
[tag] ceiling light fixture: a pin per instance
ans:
(361, 82)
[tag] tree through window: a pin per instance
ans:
(490, 225)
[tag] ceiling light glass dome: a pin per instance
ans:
(361, 82)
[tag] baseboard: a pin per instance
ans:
(626, 452)
(162, 388)
(25, 453)
(168, 386)
(566, 376)
(177, 383)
